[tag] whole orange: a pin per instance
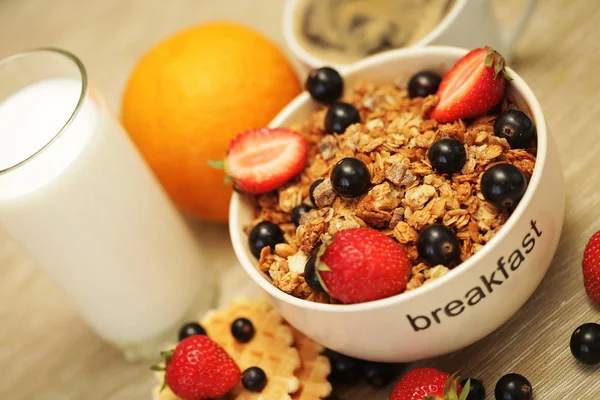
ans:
(191, 94)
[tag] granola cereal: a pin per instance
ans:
(406, 194)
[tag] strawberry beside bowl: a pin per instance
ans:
(470, 301)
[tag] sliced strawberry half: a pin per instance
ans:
(474, 85)
(262, 160)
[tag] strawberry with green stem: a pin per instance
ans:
(199, 369)
(429, 384)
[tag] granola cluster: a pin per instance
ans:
(406, 194)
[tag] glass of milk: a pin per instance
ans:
(77, 196)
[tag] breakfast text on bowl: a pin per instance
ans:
(478, 293)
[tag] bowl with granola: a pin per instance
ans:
(403, 209)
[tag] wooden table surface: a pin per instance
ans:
(46, 351)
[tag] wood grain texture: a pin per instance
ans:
(47, 353)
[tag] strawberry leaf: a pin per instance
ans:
(321, 266)
(498, 67)
(167, 355)
(321, 281)
(448, 385)
(495, 60)
(161, 368)
(164, 385)
(466, 390)
(489, 60)
(221, 165)
(490, 49)
(450, 390)
(216, 164)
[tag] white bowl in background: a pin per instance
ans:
(468, 24)
(470, 301)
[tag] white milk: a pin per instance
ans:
(91, 214)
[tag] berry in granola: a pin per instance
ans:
(299, 211)
(264, 234)
(242, 330)
(379, 374)
(262, 160)
(476, 389)
(311, 190)
(591, 268)
(447, 156)
(423, 84)
(344, 369)
(310, 275)
(513, 387)
(474, 85)
(516, 127)
(340, 116)
(363, 264)
(325, 85)
(503, 185)
(191, 329)
(350, 177)
(438, 245)
(254, 379)
(585, 344)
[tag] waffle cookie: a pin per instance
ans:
(293, 363)
(271, 348)
(314, 369)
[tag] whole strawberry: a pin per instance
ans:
(472, 87)
(591, 268)
(200, 369)
(429, 384)
(363, 264)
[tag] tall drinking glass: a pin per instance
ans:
(77, 196)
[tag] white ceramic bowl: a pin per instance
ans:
(310, 60)
(467, 24)
(464, 305)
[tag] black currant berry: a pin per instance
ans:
(350, 177)
(437, 244)
(191, 329)
(503, 185)
(423, 84)
(325, 85)
(516, 127)
(242, 330)
(340, 116)
(264, 234)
